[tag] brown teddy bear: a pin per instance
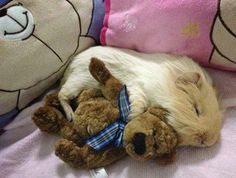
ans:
(144, 137)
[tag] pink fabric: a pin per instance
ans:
(26, 152)
(182, 27)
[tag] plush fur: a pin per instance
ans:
(176, 83)
(147, 136)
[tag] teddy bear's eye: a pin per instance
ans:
(155, 146)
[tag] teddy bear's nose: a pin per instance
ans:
(139, 143)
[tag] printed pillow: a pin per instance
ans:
(37, 40)
(203, 30)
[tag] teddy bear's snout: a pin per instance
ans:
(139, 143)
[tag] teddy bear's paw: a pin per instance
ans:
(48, 119)
(89, 130)
(52, 100)
(69, 152)
(97, 126)
(70, 133)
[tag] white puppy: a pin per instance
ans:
(176, 83)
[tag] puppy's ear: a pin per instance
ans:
(189, 78)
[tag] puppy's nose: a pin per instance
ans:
(139, 143)
(3, 12)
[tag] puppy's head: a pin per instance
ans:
(194, 110)
(147, 137)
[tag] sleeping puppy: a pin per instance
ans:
(176, 83)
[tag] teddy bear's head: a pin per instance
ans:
(148, 136)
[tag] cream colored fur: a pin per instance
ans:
(154, 79)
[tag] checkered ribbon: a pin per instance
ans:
(113, 134)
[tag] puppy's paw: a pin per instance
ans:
(65, 100)
(70, 115)
(137, 107)
(138, 101)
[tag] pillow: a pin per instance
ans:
(37, 40)
(203, 30)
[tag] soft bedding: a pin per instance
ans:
(26, 152)
(203, 30)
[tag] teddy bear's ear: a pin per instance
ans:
(159, 112)
(99, 71)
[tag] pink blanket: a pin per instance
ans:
(202, 29)
(25, 152)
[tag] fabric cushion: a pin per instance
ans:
(37, 40)
(203, 30)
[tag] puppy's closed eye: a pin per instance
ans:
(197, 109)
(155, 146)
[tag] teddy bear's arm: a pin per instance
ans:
(87, 94)
(86, 156)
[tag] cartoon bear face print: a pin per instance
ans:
(16, 22)
(224, 35)
(37, 39)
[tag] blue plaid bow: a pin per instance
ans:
(114, 132)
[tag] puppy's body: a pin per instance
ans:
(176, 83)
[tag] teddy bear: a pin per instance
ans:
(223, 35)
(49, 44)
(101, 132)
